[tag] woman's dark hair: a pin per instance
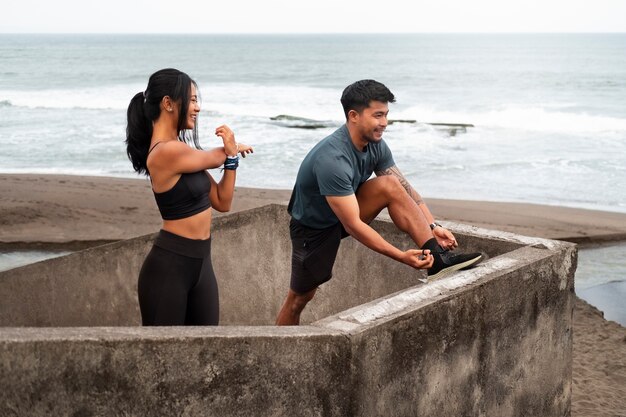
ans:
(357, 96)
(144, 108)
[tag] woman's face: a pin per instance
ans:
(193, 109)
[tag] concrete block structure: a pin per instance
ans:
(495, 340)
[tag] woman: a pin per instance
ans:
(177, 285)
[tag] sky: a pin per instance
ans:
(319, 16)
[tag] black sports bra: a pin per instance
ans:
(189, 196)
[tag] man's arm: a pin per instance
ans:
(443, 236)
(346, 208)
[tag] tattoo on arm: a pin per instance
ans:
(403, 181)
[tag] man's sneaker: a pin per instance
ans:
(447, 262)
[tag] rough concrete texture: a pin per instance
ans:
(493, 340)
(499, 344)
(93, 287)
(164, 372)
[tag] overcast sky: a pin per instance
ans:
(317, 16)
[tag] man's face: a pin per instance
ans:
(372, 121)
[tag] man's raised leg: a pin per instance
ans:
(386, 192)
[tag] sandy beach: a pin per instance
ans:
(60, 211)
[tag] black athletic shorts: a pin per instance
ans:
(313, 254)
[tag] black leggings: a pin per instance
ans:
(177, 285)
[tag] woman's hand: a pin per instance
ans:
(244, 149)
(228, 137)
(445, 238)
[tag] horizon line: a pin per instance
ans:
(319, 33)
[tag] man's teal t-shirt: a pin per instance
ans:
(334, 167)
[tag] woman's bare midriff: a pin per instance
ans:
(197, 227)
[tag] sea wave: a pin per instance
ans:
(106, 97)
(234, 99)
(81, 172)
(317, 103)
(539, 119)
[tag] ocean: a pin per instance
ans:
(548, 110)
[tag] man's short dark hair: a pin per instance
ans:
(357, 96)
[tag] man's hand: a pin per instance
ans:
(418, 259)
(445, 238)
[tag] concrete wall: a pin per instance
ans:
(251, 254)
(498, 342)
(174, 372)
(93, 287)
(494, 340)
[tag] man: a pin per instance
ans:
(333, 197)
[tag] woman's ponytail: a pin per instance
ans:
(138, 133)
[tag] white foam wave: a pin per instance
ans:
(90, 172)
(520, 118)
(236, 99)
(255, 100)
(267, 101)
(106, 97)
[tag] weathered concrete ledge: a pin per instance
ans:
(493, 340)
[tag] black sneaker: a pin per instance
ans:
(447, 262)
